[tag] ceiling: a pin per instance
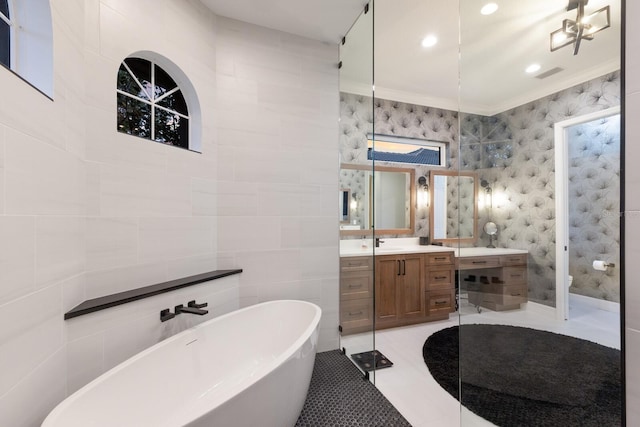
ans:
(478, 69)
(323, 20)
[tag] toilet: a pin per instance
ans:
(570, 281)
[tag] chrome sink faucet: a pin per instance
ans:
(378, 241)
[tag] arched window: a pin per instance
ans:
(26, 41)
(151, 104)
(6, 38)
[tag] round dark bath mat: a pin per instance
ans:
(515, 376)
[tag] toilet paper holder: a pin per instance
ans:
(602, 265)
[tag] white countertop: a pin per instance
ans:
(365, 247)
(469, 252)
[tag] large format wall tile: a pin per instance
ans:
(41, 179)
(60, 249)
(17, 256)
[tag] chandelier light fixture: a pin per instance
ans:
(583, 28)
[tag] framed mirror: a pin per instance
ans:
(453, 215)
(384, 199)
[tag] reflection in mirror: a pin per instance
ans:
(454, 214)
(344, 203)
(384, 198)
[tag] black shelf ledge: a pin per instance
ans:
(108, 301)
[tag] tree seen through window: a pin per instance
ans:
(150, 104)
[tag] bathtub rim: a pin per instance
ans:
(59, 409)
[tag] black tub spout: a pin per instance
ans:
(191, 310)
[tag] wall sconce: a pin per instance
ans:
(423, 192)
(583, 28)
(354, 202)
(488, 194)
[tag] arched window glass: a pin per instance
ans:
(151, 105)
(26, 41)
(5, 33)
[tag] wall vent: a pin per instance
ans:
(551, 72)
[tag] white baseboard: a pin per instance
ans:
(594, 302)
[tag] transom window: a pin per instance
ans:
(150, 104)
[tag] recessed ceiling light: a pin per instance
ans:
(429, 41)
(532, 68)
(489, 8)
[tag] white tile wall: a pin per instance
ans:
(86, 211)
(278, 167)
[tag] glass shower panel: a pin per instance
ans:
(520, 362)
(355, 193)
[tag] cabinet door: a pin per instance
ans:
(412, 287)
(388, 270)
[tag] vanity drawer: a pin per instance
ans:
(356, 314)
(495, 296)
(439, 258)
(514, 295)
(467, 263)
(514, 275)
(355, 285)
(440, 278)
(439, 302)
(348, 264)
(519, 259)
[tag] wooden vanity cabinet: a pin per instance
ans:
(409, 288)
(356, 294)
(398, 285)
(440, 294)
(499, 284)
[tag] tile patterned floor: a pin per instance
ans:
(340, 396)
(411, 389)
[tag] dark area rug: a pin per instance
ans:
(516, 376)
(339, 396)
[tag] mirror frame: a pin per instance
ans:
(412, 201)
(473, 175)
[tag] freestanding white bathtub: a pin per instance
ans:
(251, 367)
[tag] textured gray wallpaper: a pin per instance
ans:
(513, 151)
(395, 118)
(594, 203)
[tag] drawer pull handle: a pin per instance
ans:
(478, 262)
(354, 286)
(515, 295)
(440, 277)
(441, 302)
(355, 314)
(440, 258)
(515, 275)
(399, 270)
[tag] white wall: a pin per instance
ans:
(632, 213)
(86, 211)
(277, 120)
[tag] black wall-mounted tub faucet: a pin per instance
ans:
(192, 308)
(166, 315)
